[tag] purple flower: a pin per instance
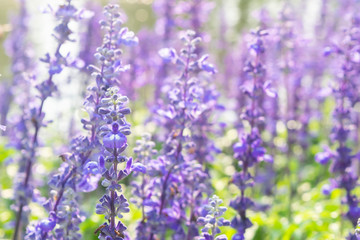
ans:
(32, 118)
(179, 180)
(138, 167)
(345, 92)
(48, 224)
(114, 139)
(250, 150)
(127, 37)
(168, 54)
(323, 157)
(204, 65)
(110, 115)
(240, 148)
(327, 51)
(90, 177)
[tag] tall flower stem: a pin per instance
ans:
(345, 91)
(184, 76)
(46, 88)
(113, 127)
(249, 150)
(179, 171)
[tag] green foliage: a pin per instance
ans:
(6, 214)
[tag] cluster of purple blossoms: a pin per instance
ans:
(113, 204)
(249, 151)
(19, 133)
(173, 14)
(287, 71)
(171, 177)
(289, 75)
(25, 134)
(77, 174)
(80, 171)
(345, 91)
(110, 109)
(207, 123)
(177, 181)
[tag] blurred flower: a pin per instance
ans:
(249, 150)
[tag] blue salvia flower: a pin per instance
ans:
(207, 123)
(19, 135)
(113, 204)
(213, 220)
(205, 92)
(109, 113)
(292, 108)
(346, 95)
(290, 72)
(80, 171)
(32, 119)
(249, 150)
(196, 183)
(174, 14)
(179, 180)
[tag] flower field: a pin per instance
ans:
(180, 119)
